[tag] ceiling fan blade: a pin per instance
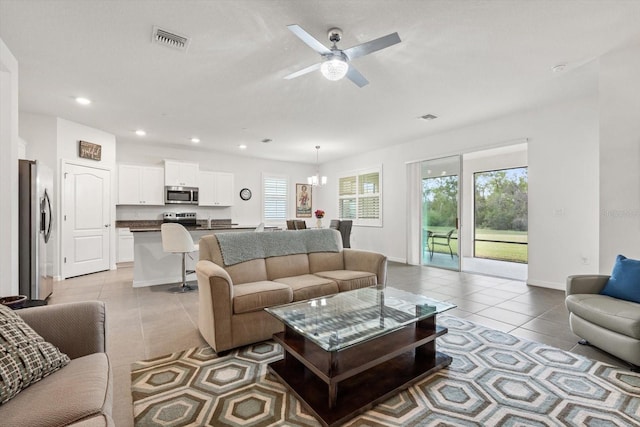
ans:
(309, 69)
(372, 46)
(309, 39)
(355, 76)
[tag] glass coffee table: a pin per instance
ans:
(344, 353)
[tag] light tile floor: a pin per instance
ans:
(149, 322)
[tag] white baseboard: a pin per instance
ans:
(548, 285)
(400, 260)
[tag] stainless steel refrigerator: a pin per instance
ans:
(35, 184)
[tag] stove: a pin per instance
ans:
(184, 218)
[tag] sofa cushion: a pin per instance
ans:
(325, 261)
(249, 271)
(25, 357)
(255, 296)
(349, 280)
(610, 313)
(307, 286)
(82, 390)
(624, 282)
(287, 266)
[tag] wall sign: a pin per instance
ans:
(88, 150)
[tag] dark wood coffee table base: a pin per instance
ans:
(337, 386)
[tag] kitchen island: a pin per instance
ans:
(152, 266)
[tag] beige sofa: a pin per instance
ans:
(80, 394)
(608, 323)
(240, 274)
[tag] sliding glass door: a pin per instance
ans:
(440, 212)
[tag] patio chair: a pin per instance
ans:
(435, 236)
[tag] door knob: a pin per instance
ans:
(107, 225)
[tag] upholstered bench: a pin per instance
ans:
(242, 273)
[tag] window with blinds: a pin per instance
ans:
(359, 197)
(274, 198)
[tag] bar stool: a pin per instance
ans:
(176, 239)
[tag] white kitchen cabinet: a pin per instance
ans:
(215, 189)
(140, 185)
(124, 252)
(180, 174)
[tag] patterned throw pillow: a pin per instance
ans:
(25, 357)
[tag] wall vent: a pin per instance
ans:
(170, 39)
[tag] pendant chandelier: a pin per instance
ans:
(317, 180)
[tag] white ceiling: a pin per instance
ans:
(464, 61)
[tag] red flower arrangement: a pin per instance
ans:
(319, 213)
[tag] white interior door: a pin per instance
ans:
(86, 220)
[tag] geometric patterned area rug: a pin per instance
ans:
(495, 379)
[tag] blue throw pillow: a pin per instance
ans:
(624, 282)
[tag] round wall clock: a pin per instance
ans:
(245, 194)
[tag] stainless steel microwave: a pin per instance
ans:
(181, 195)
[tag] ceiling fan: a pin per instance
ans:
(335, 62)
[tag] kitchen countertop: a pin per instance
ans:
(153, 266)
(216, 224)
(154, 224)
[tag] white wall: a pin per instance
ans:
(619, 156)
(39, 133)
(247, 173)
(68, 135)
(9, 142)
(54, 141)
(563, 164)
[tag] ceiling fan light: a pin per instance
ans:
(334, 69)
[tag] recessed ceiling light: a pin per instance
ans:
(195, 140)
(428, 117)
(242, 146)
(83, 101)
(141, 132)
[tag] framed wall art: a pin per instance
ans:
(303, 201)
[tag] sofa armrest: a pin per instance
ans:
(586, 283)
(77, 329)
(215, 294)
(373, 262)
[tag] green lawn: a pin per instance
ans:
(500, 251)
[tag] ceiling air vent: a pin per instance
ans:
(428, 117)
(170, 39)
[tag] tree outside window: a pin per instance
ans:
(501, 214)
